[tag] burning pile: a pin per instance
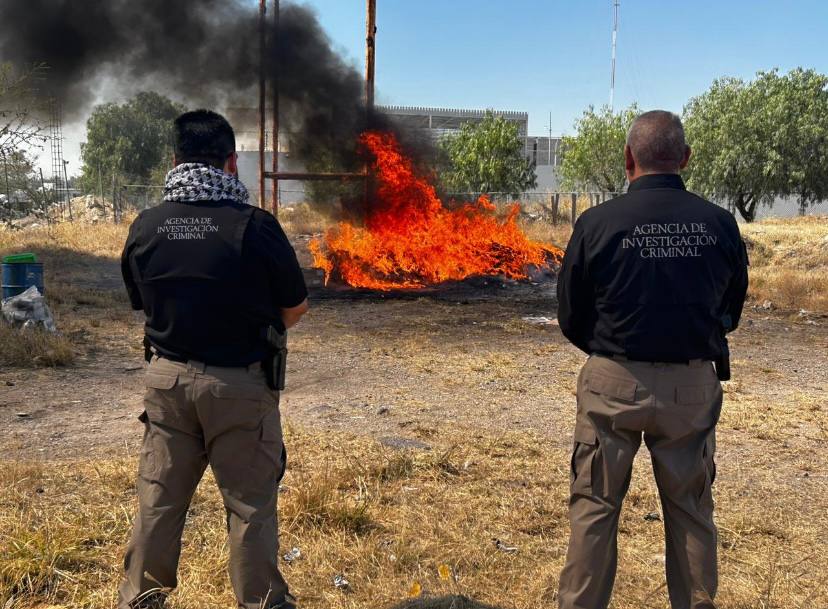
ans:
(411, 240)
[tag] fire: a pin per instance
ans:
(411, 240)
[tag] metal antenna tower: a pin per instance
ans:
(615, 6)
(56, 140)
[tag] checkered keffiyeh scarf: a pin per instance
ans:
(198, 182)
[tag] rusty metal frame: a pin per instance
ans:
(274, 174)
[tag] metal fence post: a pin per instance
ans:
(556, 199)
(574, 208)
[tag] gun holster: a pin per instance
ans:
(275, 363)
(148, 352)
(723, 361)
(722, 364)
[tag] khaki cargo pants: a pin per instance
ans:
(676, 407)
(227, 417)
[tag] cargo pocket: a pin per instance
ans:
(146, 462)
(709, 464)
(159, 392)
(270, 442)
(583, 456)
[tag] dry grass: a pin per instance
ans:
(31, 348)
(788, 257)
(789, 262)
(103, 240)
(388, 521)
(75, 257)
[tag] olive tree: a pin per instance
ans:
(594, 157)
(129, 141)
(486, 157)
(754, 142)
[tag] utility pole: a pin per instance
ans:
(274, 74)
(370, 74)
(615, 5)
(550, 138)
(262, 98)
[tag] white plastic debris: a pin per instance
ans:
(541, 320)
(28, 310)
(504, 547)
(294, 554)
(341, 583)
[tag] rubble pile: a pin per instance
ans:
(87, 208)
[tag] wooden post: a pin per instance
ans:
(262, 97)
(574, 208)
(556, 200)
(274, 72)
(114, 200)
(370, 53)
(43, 192)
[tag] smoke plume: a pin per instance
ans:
(202, 52)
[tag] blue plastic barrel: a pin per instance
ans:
(20, 276)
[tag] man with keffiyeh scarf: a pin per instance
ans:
(211, 273)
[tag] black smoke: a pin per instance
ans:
(202, 52)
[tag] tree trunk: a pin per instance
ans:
(746, 205)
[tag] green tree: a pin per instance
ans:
(20, 108)
(486, 157)
(128, 142)
(797, 107)
(754, 142)
(594, 157)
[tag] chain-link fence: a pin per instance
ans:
(565, 207)
(556, 208)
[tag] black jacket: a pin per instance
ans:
(210, 276)
(651, 274)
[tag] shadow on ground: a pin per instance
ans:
(445, 602)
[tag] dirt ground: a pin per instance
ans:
(480, 355)
(472, 379)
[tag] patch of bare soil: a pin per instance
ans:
(453, 374)
(402, 367)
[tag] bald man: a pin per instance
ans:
(650, 283)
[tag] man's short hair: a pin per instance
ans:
(203, 136)
(656, 139)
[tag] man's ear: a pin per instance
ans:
(629, 161)
(687, 153)
(174, 162)
(231, 165)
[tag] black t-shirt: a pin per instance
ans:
(210, 276)
(651, 274)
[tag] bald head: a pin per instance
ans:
(656, 144)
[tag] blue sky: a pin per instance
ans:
(544, 56)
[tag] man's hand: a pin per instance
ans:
(291, 316)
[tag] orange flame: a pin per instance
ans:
(410, 240)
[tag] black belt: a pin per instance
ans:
(624, 358)
(149, 351)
